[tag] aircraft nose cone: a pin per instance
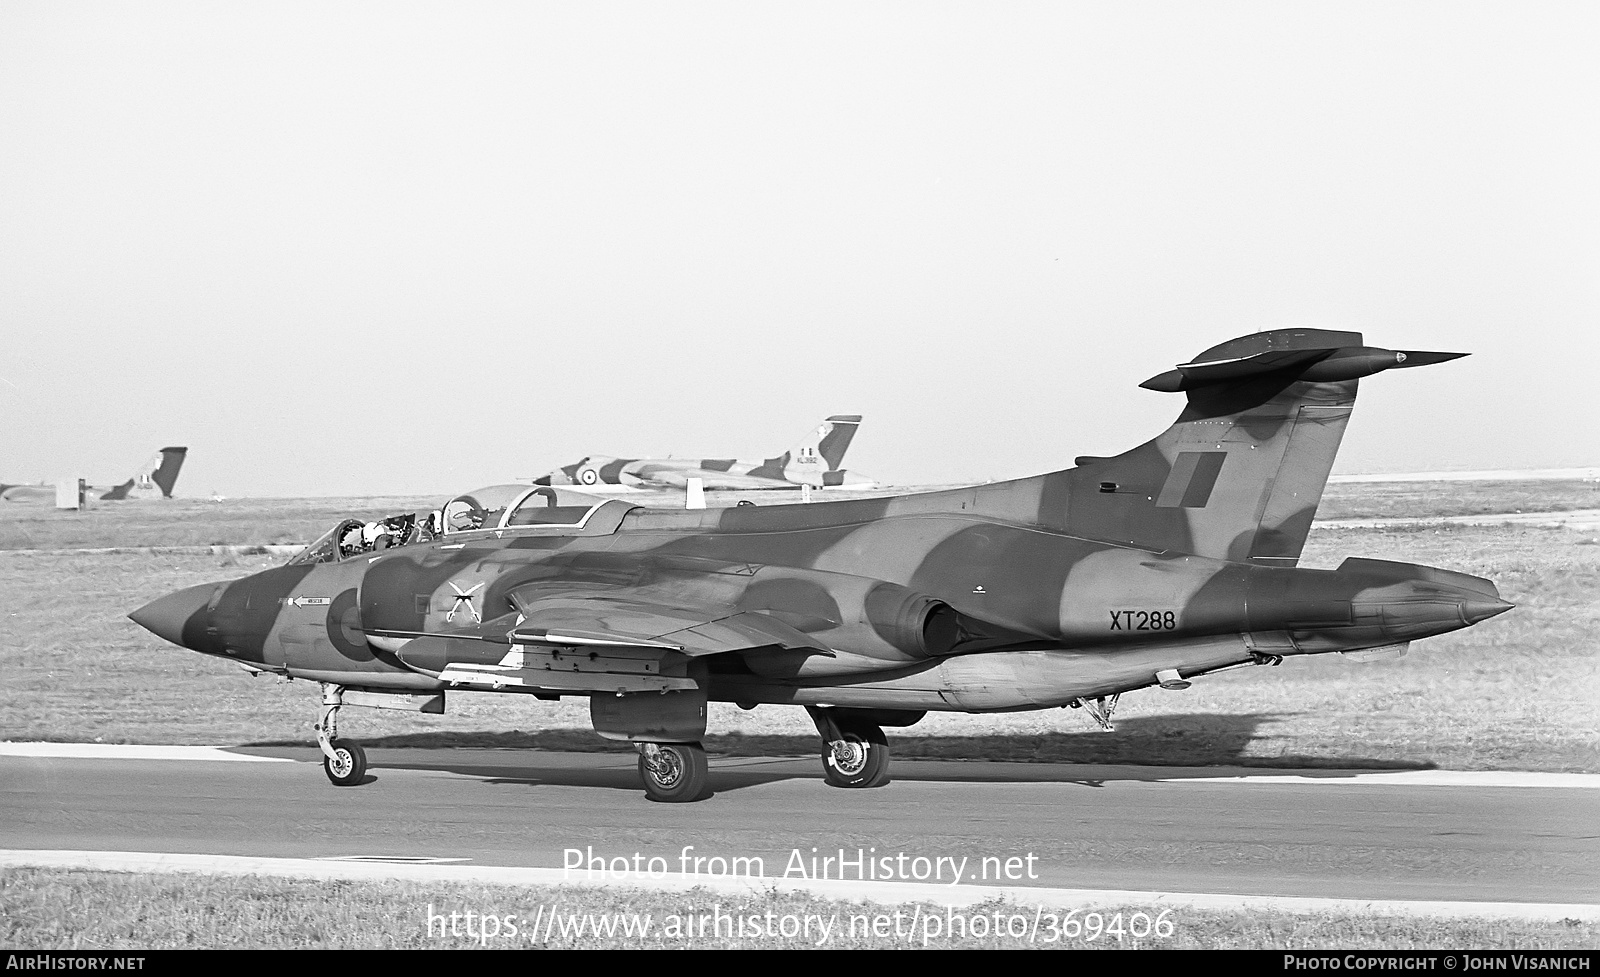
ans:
(1481, 610)
(542, 480)
(166, 617)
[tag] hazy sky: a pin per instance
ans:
(342, 248)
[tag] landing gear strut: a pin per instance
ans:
(673, 772)
(344, 761)
(855, 753)
(1100, 708)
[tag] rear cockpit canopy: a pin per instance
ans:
(506, 506)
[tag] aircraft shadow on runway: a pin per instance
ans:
(1153, 747)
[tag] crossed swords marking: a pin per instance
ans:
(464, 596)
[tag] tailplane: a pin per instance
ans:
(1240, 474)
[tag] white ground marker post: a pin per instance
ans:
(70, 493)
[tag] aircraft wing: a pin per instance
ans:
(28, 493)
(604, 621)
(570, 642)
(679, 478)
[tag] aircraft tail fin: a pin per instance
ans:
(1241, 472)
(823, 451)
(166, 474)
(159, 474)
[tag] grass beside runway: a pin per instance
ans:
(58, 909)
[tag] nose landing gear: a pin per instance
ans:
(344, 761)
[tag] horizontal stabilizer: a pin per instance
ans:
(1239, 475)
(1304, 355)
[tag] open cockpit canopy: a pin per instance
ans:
(496, 507)
(506, 506)
(327, 547)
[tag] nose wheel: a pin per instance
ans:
(348, 764)
(673, 772)
(344, 761)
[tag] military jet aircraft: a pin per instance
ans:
(815, 461)
(1169, 561)
(154, 479)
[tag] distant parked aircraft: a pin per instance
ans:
(815, 461)
(153, 480)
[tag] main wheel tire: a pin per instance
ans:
(350, 767)
(861, 759)
(676, 773)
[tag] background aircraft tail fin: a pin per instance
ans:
(160, 473)
(1240, 474)
(166, 474)
(834, 437)
(823, 451)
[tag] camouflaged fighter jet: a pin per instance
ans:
(154, 480)
(1172, 560)
(815, 461)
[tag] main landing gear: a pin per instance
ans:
(855, 753)
(344, 761)
(673, 772)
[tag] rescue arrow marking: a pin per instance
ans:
(306, 601)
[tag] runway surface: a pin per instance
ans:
(1363, 835)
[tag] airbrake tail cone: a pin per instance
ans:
(1481, 610)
